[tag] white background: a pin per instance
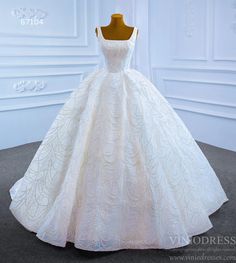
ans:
(186, 47)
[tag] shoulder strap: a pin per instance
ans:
(99, 32)
(134, 34)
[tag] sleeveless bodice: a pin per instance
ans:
(117, 53)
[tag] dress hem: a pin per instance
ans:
(182, 244)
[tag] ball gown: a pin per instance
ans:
(118, 168)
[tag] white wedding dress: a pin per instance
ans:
(117, 168)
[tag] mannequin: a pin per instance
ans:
(117, 29)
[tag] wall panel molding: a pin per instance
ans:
(36, 95)
(64, 72)
(188, 26)
(199, 81)
(46, 49)
(31, 106)
(208, 113)
(224, 31)
(217, 103)
(75, 38)
(213, 108)
(193, 69)
(79, 12)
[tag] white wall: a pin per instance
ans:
(186, 47)
(46, 47)
(193, 64)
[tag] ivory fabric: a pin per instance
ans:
(117, 168)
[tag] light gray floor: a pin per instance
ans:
(19, 245)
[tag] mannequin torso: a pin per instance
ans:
(117, 29)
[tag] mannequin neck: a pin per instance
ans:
(117, 20)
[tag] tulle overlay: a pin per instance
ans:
(117, 168)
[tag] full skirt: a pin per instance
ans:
(117, 169)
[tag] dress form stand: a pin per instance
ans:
(117, 29)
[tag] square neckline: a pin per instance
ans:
(117, 40)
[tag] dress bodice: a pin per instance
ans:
(117, 53)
